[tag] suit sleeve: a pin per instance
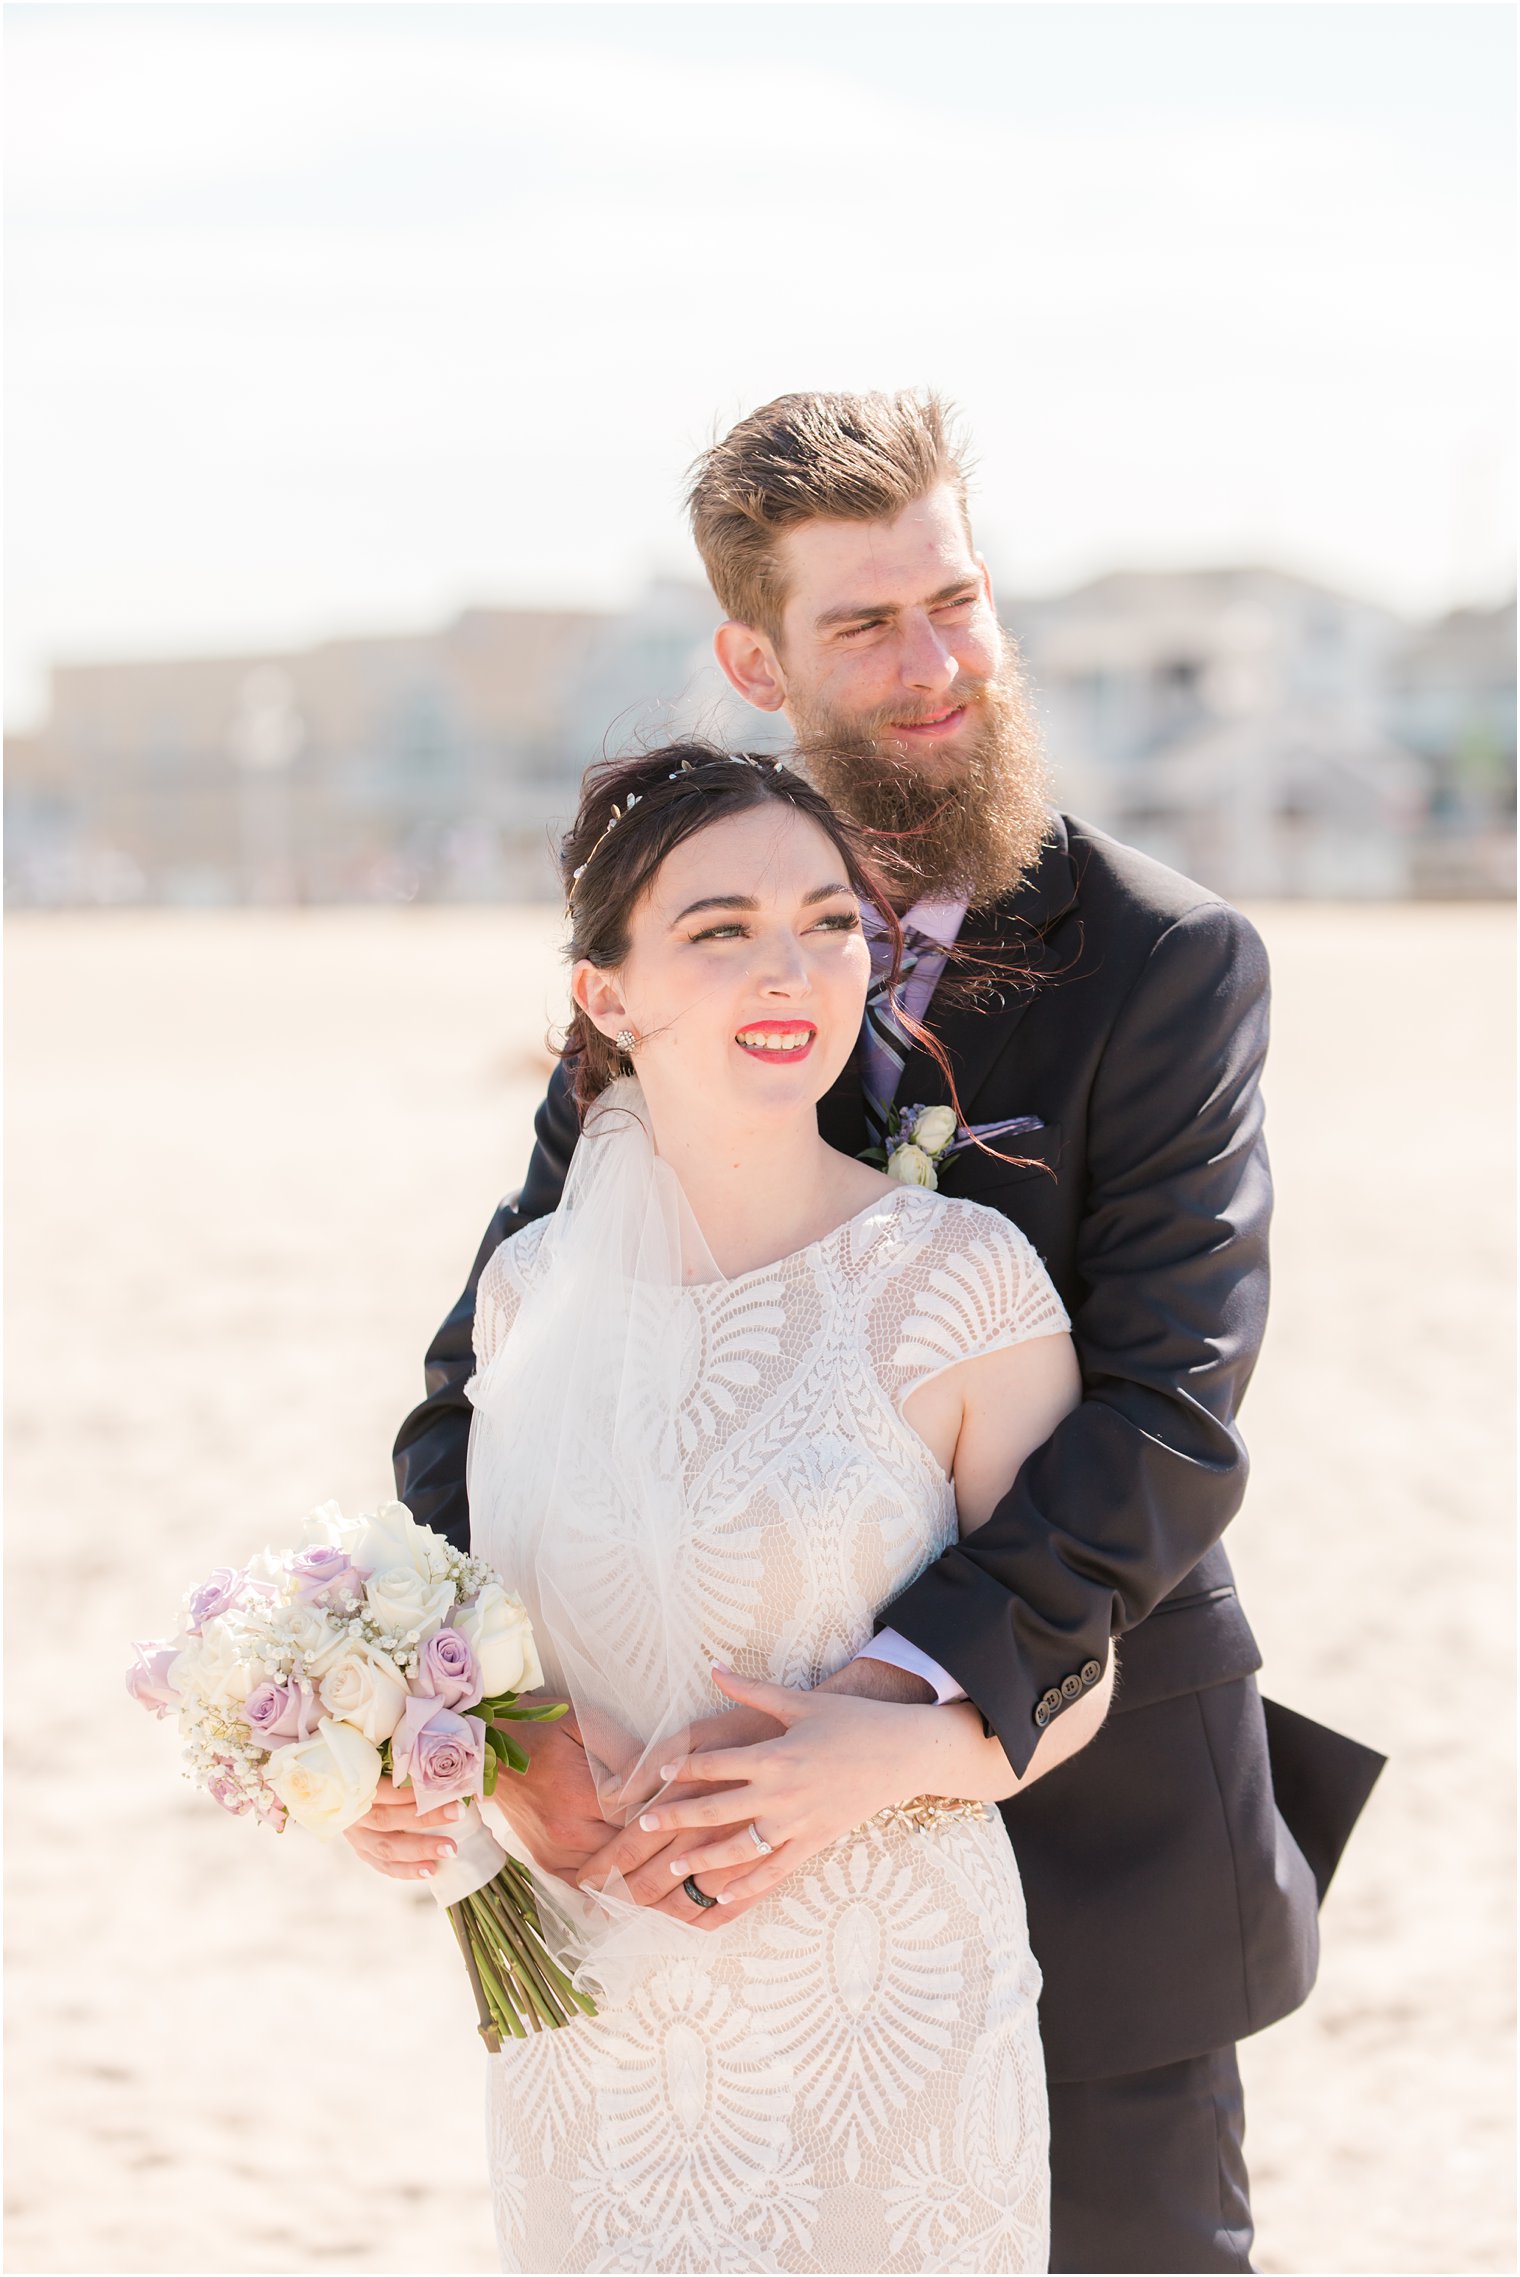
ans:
(429, 1454)
(1145, 1473)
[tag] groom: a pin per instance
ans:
(1076, 982)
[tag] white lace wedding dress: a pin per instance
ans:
(849, 2077)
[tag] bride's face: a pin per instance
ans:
(746, 973)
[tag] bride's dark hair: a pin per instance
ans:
(675, 791)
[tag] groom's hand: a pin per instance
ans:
(553, 1804)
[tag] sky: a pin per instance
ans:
(339, 318)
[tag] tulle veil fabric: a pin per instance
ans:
(575, 1484)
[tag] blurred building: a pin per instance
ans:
(1234, 723)
(1451, 698)
(1253, 729)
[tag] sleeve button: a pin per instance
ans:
(1071, 1687)
(1041, 1714)
(1052, 1700)
(1092, 1670)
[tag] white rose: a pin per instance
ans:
(912, 1167)
(392, 1537)
(328, 1525)
(326, 1783)
(934, 1129)
(212, 1667)
(366, 1690)
(402, 1600)
(500, 1635)
(320, 1640)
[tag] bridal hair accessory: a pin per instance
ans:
(301, 1679)
(623, 808)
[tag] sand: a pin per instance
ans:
(250, 1158)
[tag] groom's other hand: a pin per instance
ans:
(553, 1804)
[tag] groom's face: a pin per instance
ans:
(889, 634)
(907, 701)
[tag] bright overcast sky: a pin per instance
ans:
(338, 318)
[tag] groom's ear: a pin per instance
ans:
(751, 665)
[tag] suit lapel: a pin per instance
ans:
(842, 1109)
(993, 972)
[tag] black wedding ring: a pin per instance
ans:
(698, 1897)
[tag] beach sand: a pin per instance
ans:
(250, 1157)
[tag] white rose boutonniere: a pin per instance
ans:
(933, 1129)
(910, 1165)
(921, 1140)
(918, 1140)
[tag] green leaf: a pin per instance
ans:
(488, 1776)
(545, 1715)
(496, 1741)
(517, 1756)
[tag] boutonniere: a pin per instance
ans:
(920, 1139)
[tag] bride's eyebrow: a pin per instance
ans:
(747, 901)
(716, 901)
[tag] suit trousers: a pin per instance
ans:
(1148, 2171)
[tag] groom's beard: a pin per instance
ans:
(969, 824)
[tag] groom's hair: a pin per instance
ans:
(807, 458)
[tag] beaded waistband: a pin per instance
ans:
(926, 1811)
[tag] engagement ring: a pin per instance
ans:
(758, 1839)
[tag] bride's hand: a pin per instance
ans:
(399, 1840)
(838, 1761)
(644, 1860)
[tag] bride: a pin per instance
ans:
(729, 1399)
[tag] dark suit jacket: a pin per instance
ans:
(1169, 1906)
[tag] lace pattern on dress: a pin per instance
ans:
(853, 2082)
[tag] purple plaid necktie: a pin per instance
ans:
(885, 1043)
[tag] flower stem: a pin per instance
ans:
(487, 2027)
(527, 1936)
(544, 1984)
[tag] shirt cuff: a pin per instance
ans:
(896, 1651)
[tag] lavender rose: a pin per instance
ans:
(215, 1594)
(326, 1577)
(148, 1676)
(278, 1712)
(448, 1673)
(443, 1755)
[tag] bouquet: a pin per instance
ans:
(379, 1648)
